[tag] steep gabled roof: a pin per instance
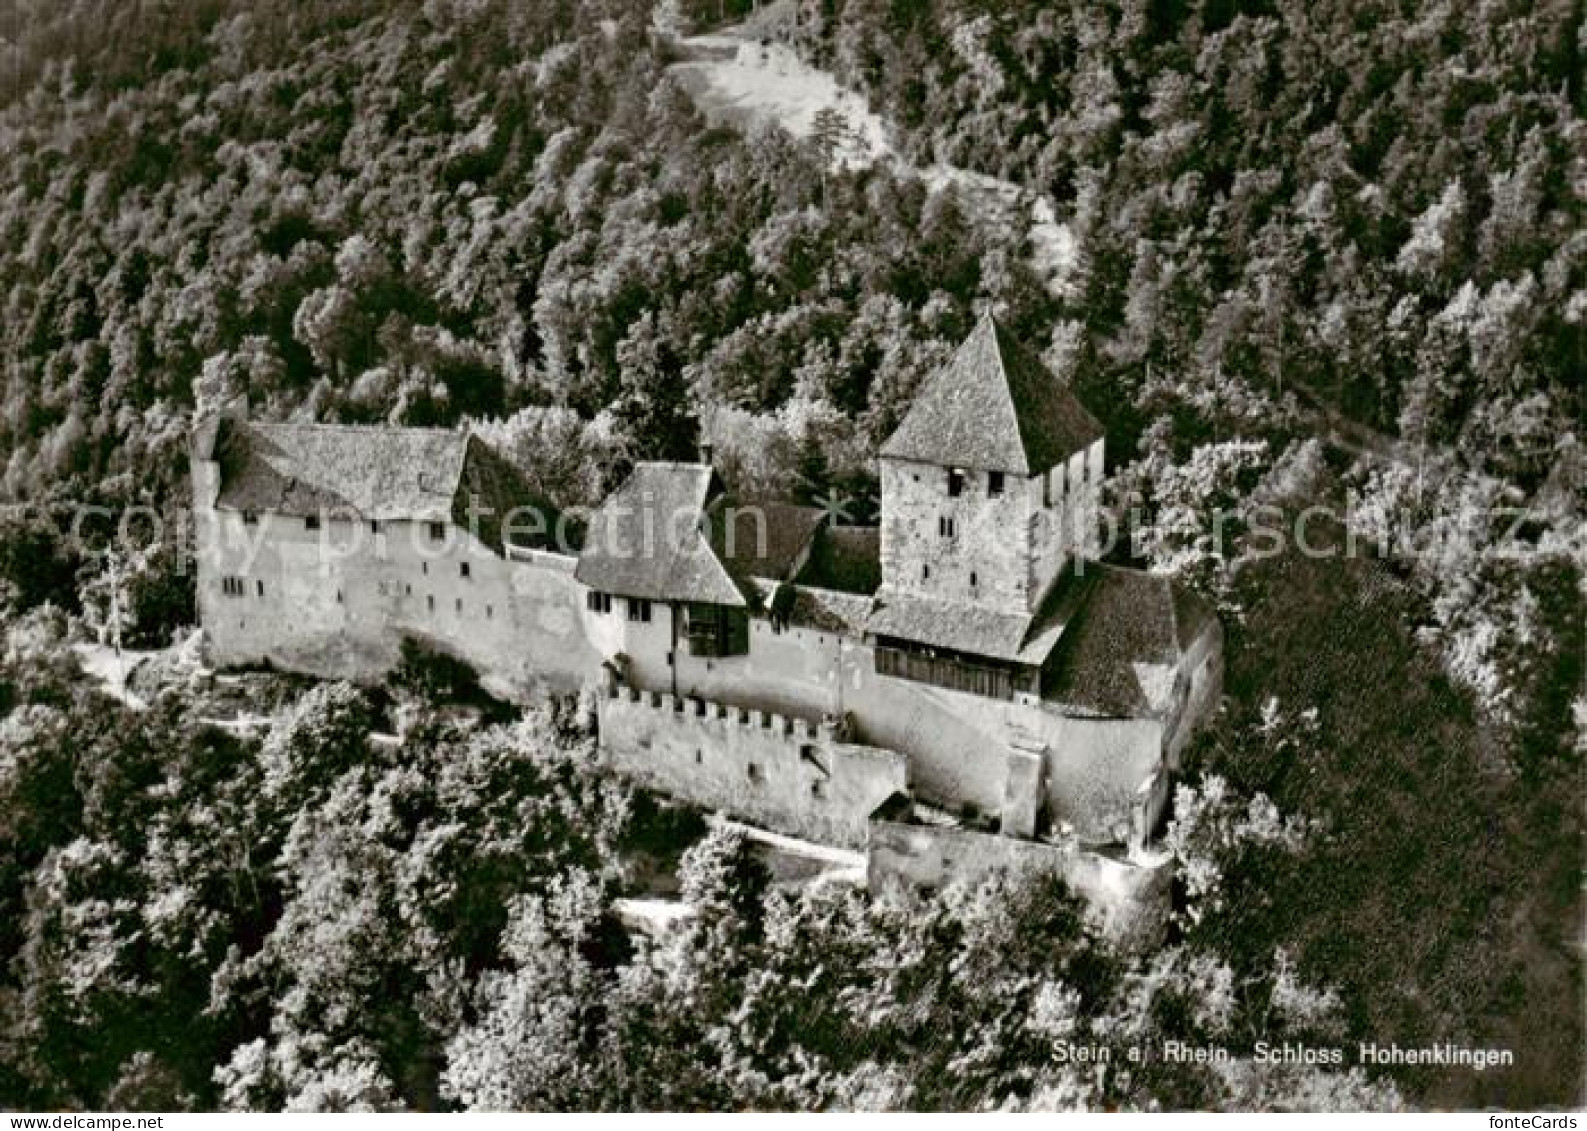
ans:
(995, 407)
(955, 625)
(651, 539)
(845, 558)
(1129, 623)
(822, 610)
(975, 630)
(762, 539)
(379, 473)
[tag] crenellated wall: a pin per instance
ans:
(788, 773)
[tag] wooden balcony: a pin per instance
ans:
(956, 674)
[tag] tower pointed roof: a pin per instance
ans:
(996, 407)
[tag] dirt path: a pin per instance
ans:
(739, 79)
(740, 76)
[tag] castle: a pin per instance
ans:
(962, 687)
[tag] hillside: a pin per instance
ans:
(1319, 260)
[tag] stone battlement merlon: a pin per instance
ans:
(713, 710)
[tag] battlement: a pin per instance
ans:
(791, 773)
(697, 707)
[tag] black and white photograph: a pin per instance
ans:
(812, 556)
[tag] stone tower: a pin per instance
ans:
(991, 483)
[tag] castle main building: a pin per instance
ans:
(961, 688)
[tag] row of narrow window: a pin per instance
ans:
(429, 601)
(233, 586)
(996, 484)
(995, 481)
(437, 530)
(598, 602)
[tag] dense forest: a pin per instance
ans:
(328, 918)
(1330, 256)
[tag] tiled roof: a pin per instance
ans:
(762, 539)
(379, 473)
(1129, 622)
(649, 539)
(1108, 639)
(995, 407)
(827, 610)
(848, 558)
(957, 626)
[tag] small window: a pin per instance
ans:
(973, 580)
(818, 789)
(994, 483)
(374, 526)
(1046, 490)
(259, 588)
(424, 568)
(458, 606)
(639, 610)
(250, 518)
(945, 526)
(311, 522)
(598, 602)
(462, 569)
(338, 596)
(429, 601)
(490, 611)
(955, 482)
(437, 531)
(699, 756)
(407, 589)
(925, 573)
(755, 774)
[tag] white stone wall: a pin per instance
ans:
(1204, 672)
(1128, 900)
(985, 560)
(1007, 549)
(1071, 524)
(338, 601)
(765, 767)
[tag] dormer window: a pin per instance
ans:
(311, 522)
(994, 484)
(955, 482)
